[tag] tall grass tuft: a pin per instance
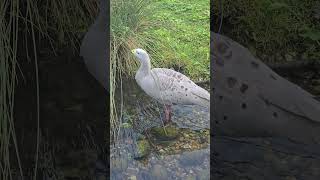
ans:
(131, 22)
(9, 24)
(129, 19)
(66, 21)
(28, 22)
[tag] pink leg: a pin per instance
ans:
(167, 111)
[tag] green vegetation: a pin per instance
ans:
(281, 30)
(128, 20)
(183, 26)
(174, 32)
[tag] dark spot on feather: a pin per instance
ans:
(186, 94)
(244, 88)
(179, 76)
(275, 114)
(243, 105)
(189, 81)
(254, 64)
(174, 75)
(217, 122)
(182, 87)
(231, 82)
(225, 117)
(220, 97)
(186, 89)
(267, 102)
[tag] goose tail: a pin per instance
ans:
(202, 97)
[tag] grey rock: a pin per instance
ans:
(159, 172)
(193, 158)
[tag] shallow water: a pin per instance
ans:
(186, 155)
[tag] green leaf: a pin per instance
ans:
(312, 34)
(277, 6)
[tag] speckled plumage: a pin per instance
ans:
(251, 100)
(168, 86)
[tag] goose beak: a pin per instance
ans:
(133, 51)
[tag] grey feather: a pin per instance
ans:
(168, 86)
(252, 100)
(94, 48)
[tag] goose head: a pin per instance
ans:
(141, 54)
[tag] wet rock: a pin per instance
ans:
(191, 116)
(119, 164)
(203, 174)
(193, 158)
(165, 133)
(143, 149)
(159, 172)
(143, 174)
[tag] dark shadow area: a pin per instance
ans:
(70, 139)
(73, 117)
